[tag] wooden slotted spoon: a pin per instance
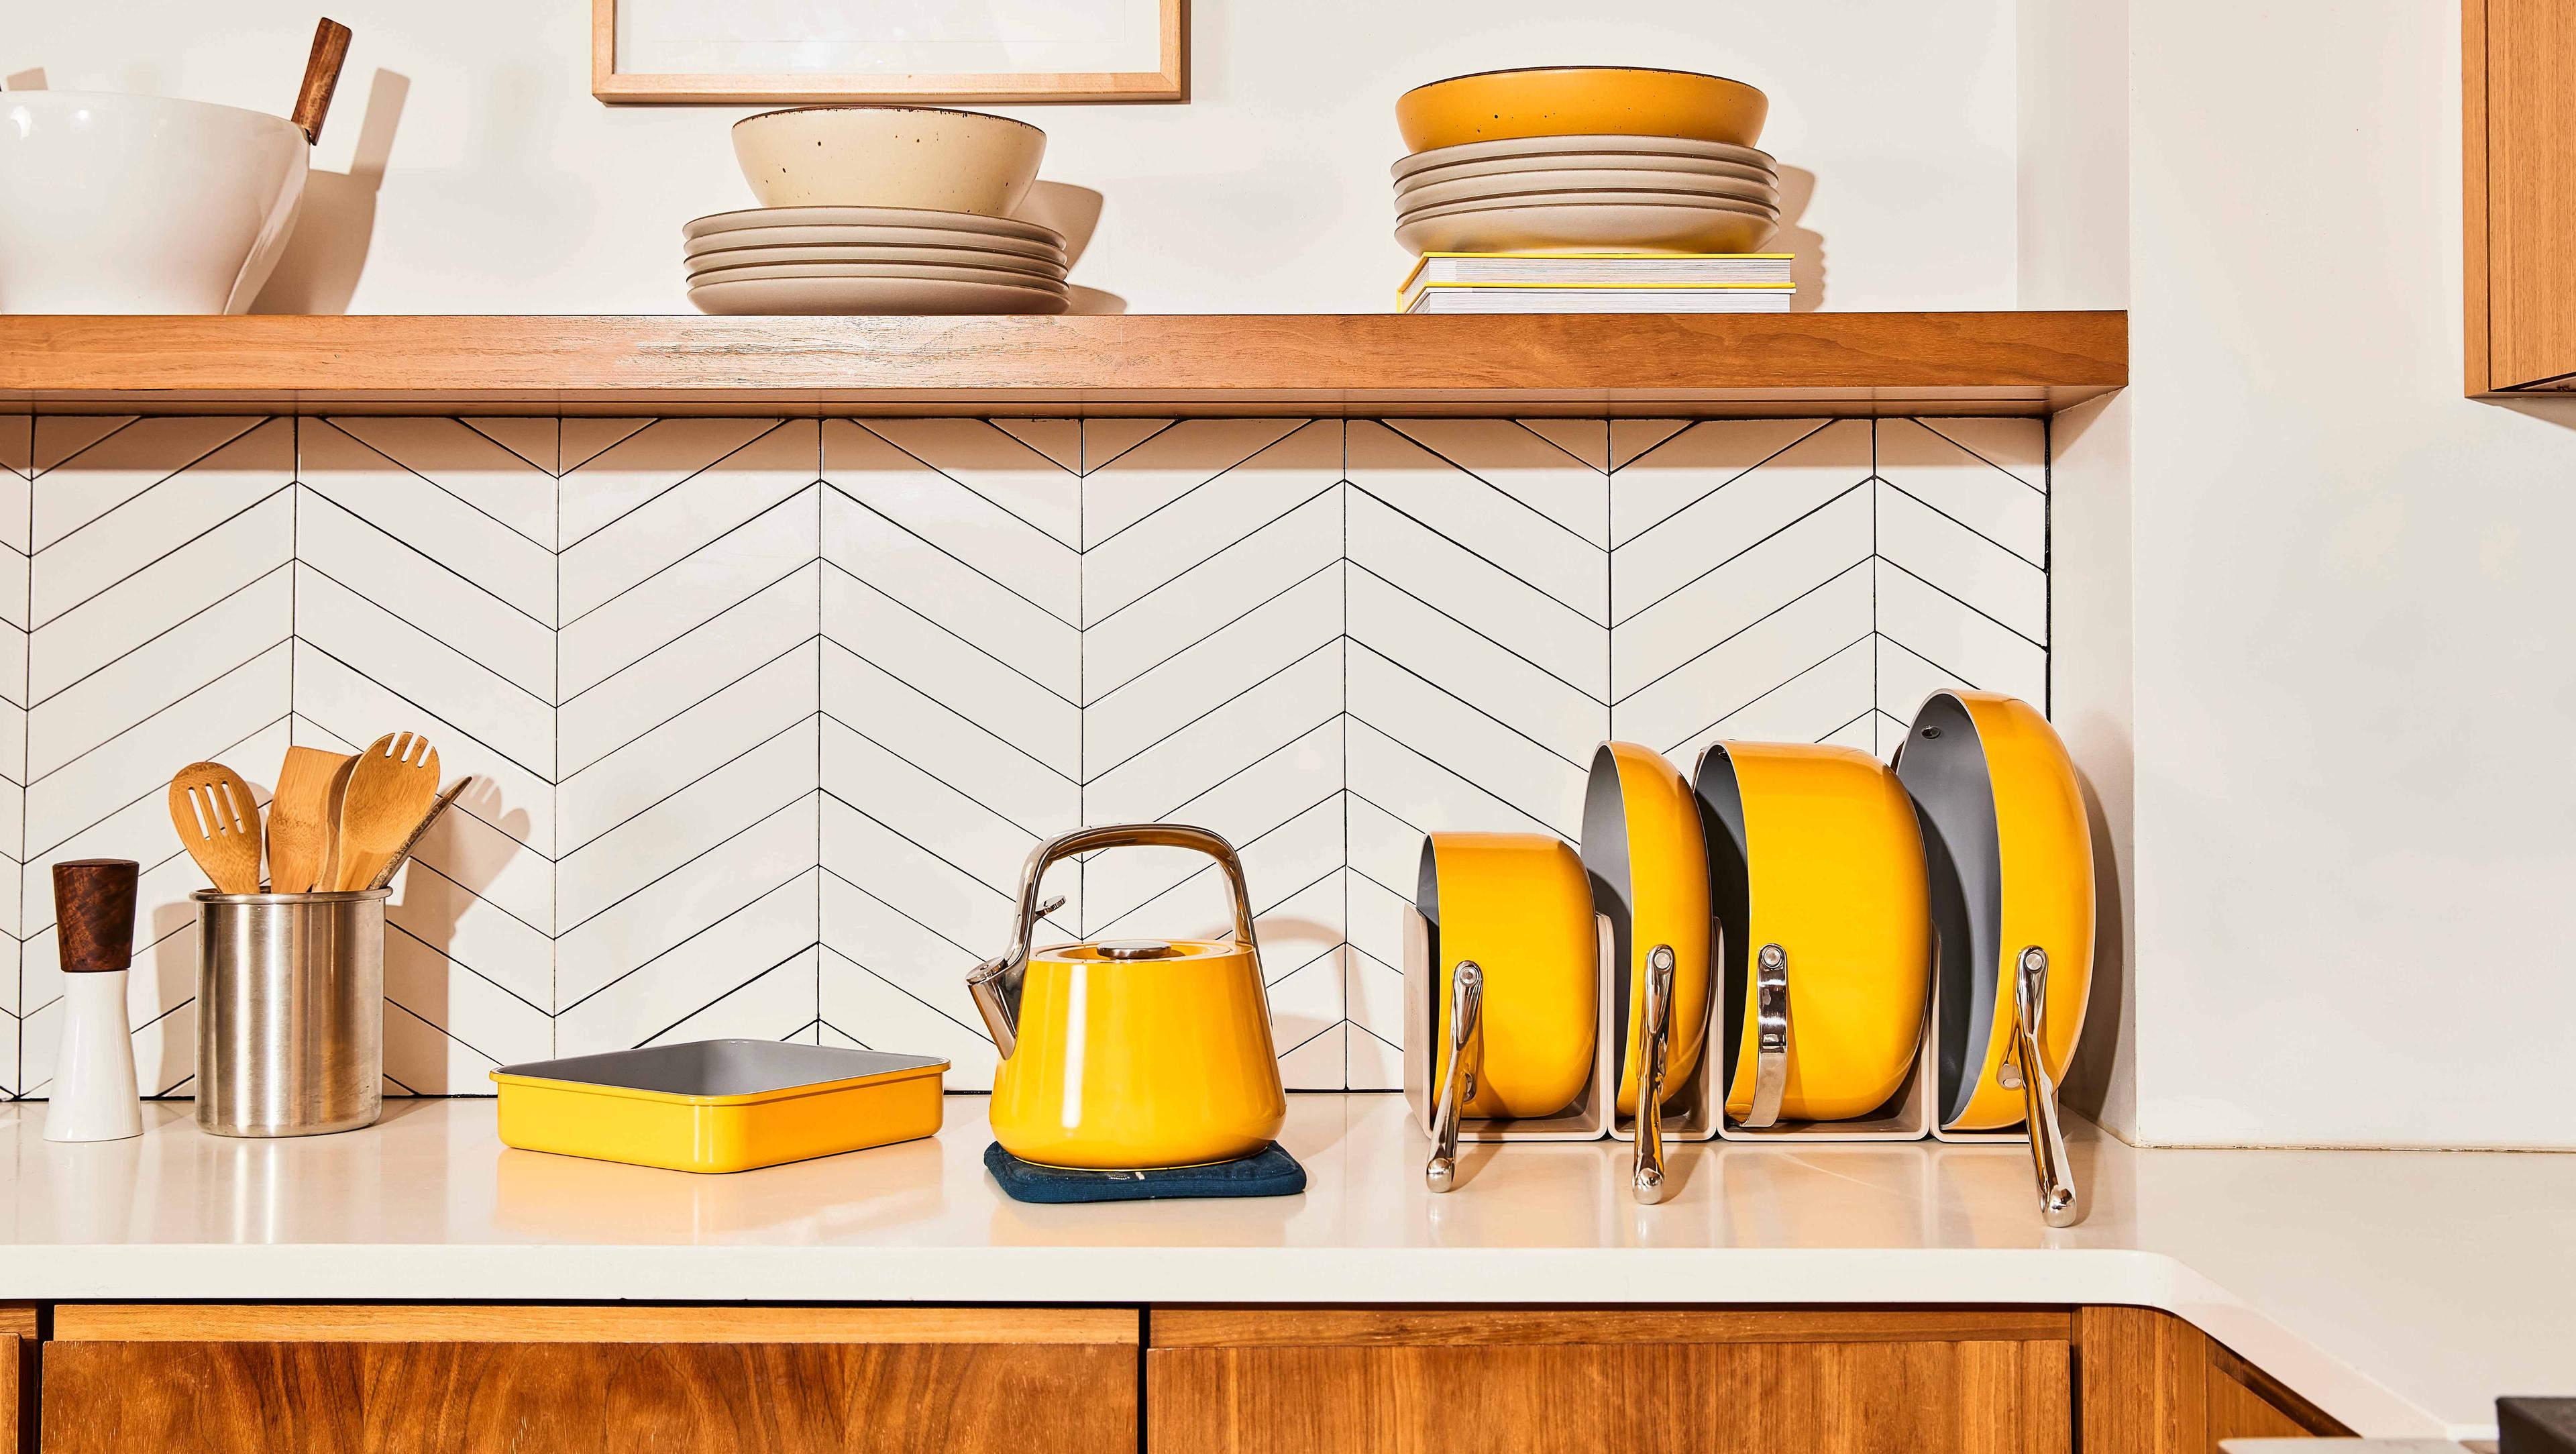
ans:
(299, 819)
(392, 785)
(218, 823)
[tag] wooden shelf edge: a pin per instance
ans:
(1359, 364)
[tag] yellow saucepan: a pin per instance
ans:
(2010, 859)
(1816, 868)
(1517, 980)
(1517, 906)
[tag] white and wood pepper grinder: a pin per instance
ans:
(93, 1092)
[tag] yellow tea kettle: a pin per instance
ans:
(1128, 1054)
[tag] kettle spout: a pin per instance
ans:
(994, 985)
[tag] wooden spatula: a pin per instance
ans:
(218, 823)
(331, 802)
(299, 818)
(392, 785)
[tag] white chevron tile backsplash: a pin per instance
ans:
(767, 712)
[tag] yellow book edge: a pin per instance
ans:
(1695, 257)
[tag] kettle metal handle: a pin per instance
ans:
(995, 983)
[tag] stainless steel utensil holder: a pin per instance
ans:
(290, 1012)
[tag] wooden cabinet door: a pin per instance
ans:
(2518, 80)
(17, 1369)
(2154, 1384)
(589, 1380)
(1636, 1382)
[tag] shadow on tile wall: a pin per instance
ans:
(767, 713)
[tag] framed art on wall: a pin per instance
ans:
(790, 51)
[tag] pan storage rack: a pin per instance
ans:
(1798, 364)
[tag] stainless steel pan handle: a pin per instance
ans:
(1770, 1036)
(1650, 1075)
(1466, 1061)
(2057, 1205)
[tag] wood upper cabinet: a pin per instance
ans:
(2518, 168)
(465, 1380)
(1642, 1382)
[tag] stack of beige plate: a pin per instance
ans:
(872, 260)
(1627, 192)
(1591, 158)
(879, 209)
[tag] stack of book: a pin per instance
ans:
(1598, 282)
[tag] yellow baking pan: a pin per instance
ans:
(719, 1105)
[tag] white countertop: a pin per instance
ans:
(2400, 1291)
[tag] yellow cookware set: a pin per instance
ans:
(1760, 949)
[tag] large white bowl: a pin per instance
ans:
(889, 156)
(141, 204)
(1411, 195)
(1603, 225)
(1535, 146)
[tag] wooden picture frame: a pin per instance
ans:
(1169, 81)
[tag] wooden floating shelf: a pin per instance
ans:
(1667, 365)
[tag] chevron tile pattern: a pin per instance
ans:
(952, 724)
(1479, 686)
(161, 631)
(766, 714)
(425, 600)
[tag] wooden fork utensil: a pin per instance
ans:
(391, 787)
(218, 823)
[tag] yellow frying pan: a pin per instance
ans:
(1816, 868)
(2010, 861)
(1648, 862)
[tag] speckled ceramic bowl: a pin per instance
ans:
(889, 156)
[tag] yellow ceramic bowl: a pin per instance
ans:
(1580, 101)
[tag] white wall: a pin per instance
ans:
(509, 189)
(2073, 210)
(2355, 910)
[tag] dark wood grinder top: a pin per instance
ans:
(94, 913)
